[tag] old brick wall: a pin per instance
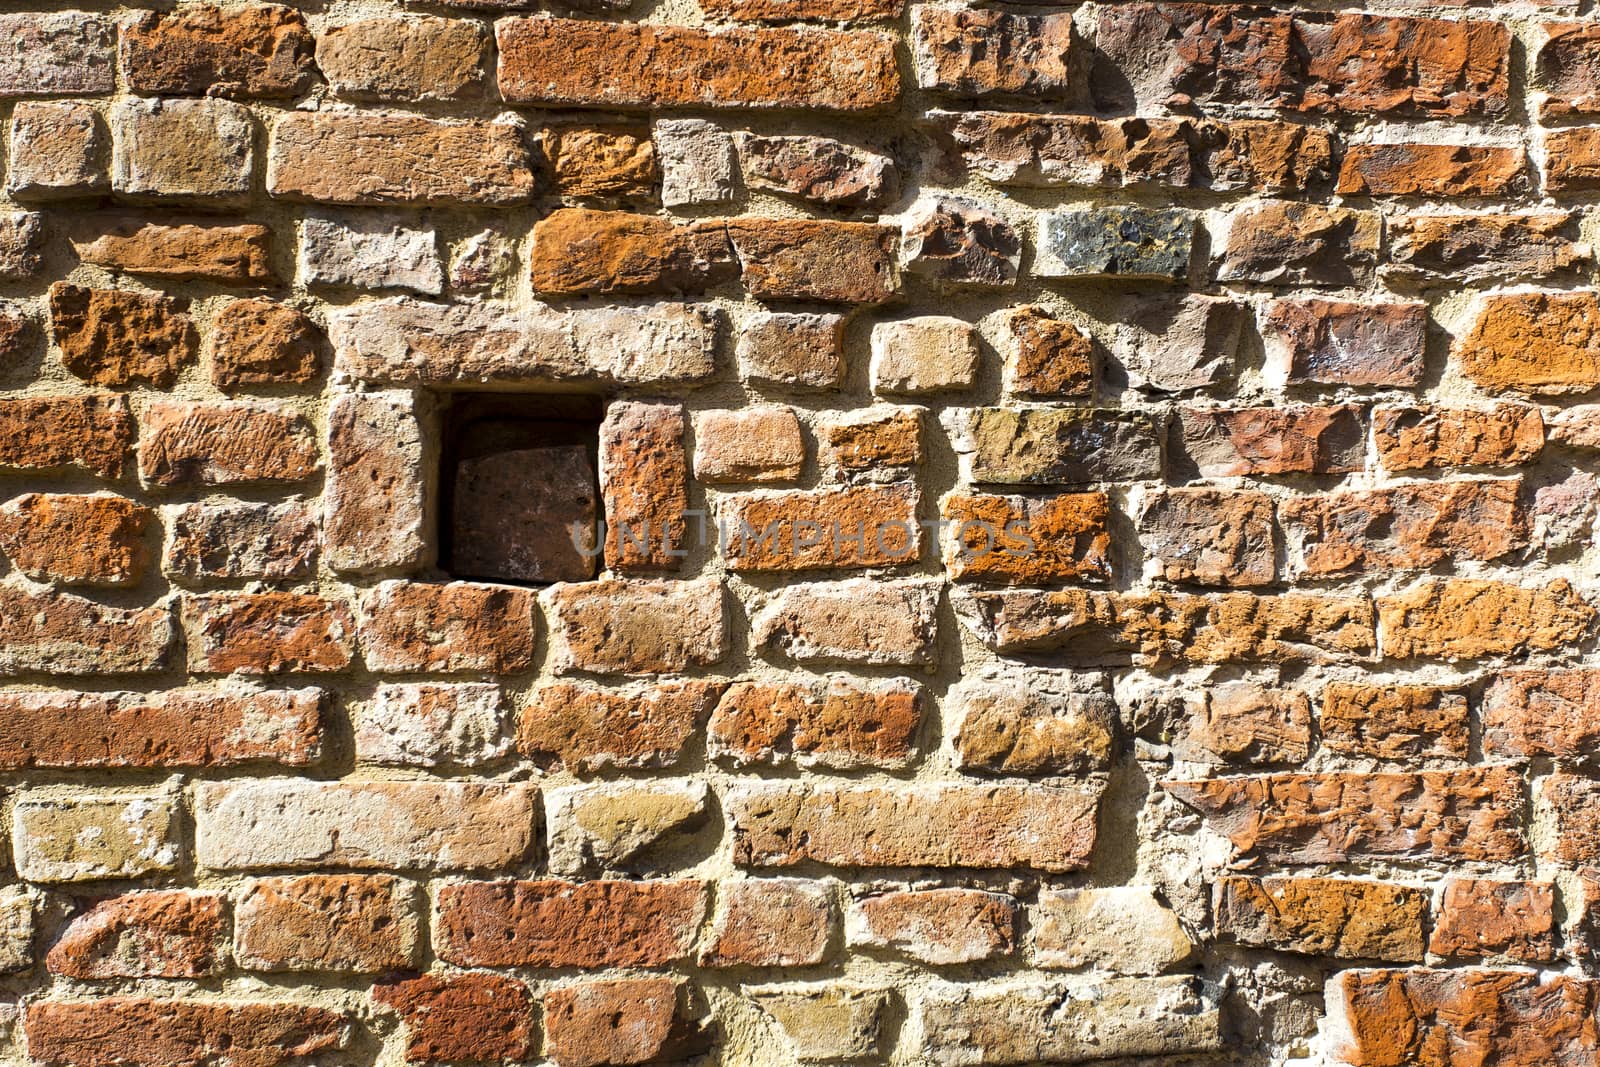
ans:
(1242, 710)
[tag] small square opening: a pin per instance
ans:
(521, 492)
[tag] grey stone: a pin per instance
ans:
(1124, 242)
(370, 250)
(698, 163)
(1178, 345)
(1061, 446)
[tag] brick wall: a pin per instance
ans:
(787, 531)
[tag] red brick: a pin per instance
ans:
(1532, 342)
(375, 497)
(1240, 722)
(1470, 815)
(1427, 437)
(636, 627)
(424, 59)
(937, 926)
(805, 351)
(1532, 712)
(176, 728)
(345, 923)
(845, 725)
(266, 541)
(1433, 170)
(1405, 528)
(1286, 242)
(89, 539)
(1227, 442)
(1465, 618)
(117, 337)
(458, 626)
(770, 922)
(1572, 159)
(1031, 726)
(577, 251)
(974, 53)
(262, 51)
(875, 440)
(808, 259)
(1435, 1018)
(259, 342)
(224, 443)
(178, 249)
(361, 158)
(462, 1016)
(1028, 540)
(628, 1020)
(784, 10)
(584, 729)
(644, 474)
(1048, 357)
(1212, 536)
(1442, 249)
(758, 444)
(629, 65)
(1394, 722)
(163, 934)
(63, 634)
(1480, 918)
(606, 160)
(1339, 342)
(1343, 918)
(555, 923)
(179, 1033)
(821, 529)
(1050, 828)
(265, 633)
(1564, 70)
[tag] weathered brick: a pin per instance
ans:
(262, 50)
(1033, 1022)
(1564, 71)
(1572, 159)
(116, 337)
(602, 161)
(785, 348)
(22, 239)
(177, 248)
(644, 472)
(954, 242)
(1480, 918)
(1466, 618)
(1028, 540)
(626, 1020)
(771, 922)
(422, 58)
(810, 259)
(1282, 242)
(259, 342)
(555, 923)
(266, 633)
(454, 1017)
(375, 497)
(176, 149)
(1180, 344)
(417, 724)
(827, 1022)
(1243, 723)
(1040, 727)
(1574, 427)
(1535, 712)
(1293, 439)
(54, 53)
(60, 634)
(262, 541)
(1048, 357)
(858, 621)
(843, 725)
(1572, 806)
(819, 169)
(17, 929)
(784, 10)
(758, 444)
(1211, 536)
(1344, 918)
(59, 149)
(927, 354)
(1123, 929)
(578, 251)
(76, 539)
(1047, 151)
(699, 163)
(1062, 446)
(345, 923)
(297, 824)
(1434, 1017)
(163, 934)
(1395, 722)
(1405, 528)
(621, 824)
(369, 250)
(1466, 815)
(877, 444)
(1341, 342)
(585, 729)
(361, 158)
(176, 728)
(1532, 342)
(1434, 170)
(563, 62)
(977, 53)
(821, 529)
(185, 445)
(1430, 437)
(160, 1033)
(456, 626)
(91, 836)
(1441, 248)
(635, 627)
(937, 926)
(1049, 828)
